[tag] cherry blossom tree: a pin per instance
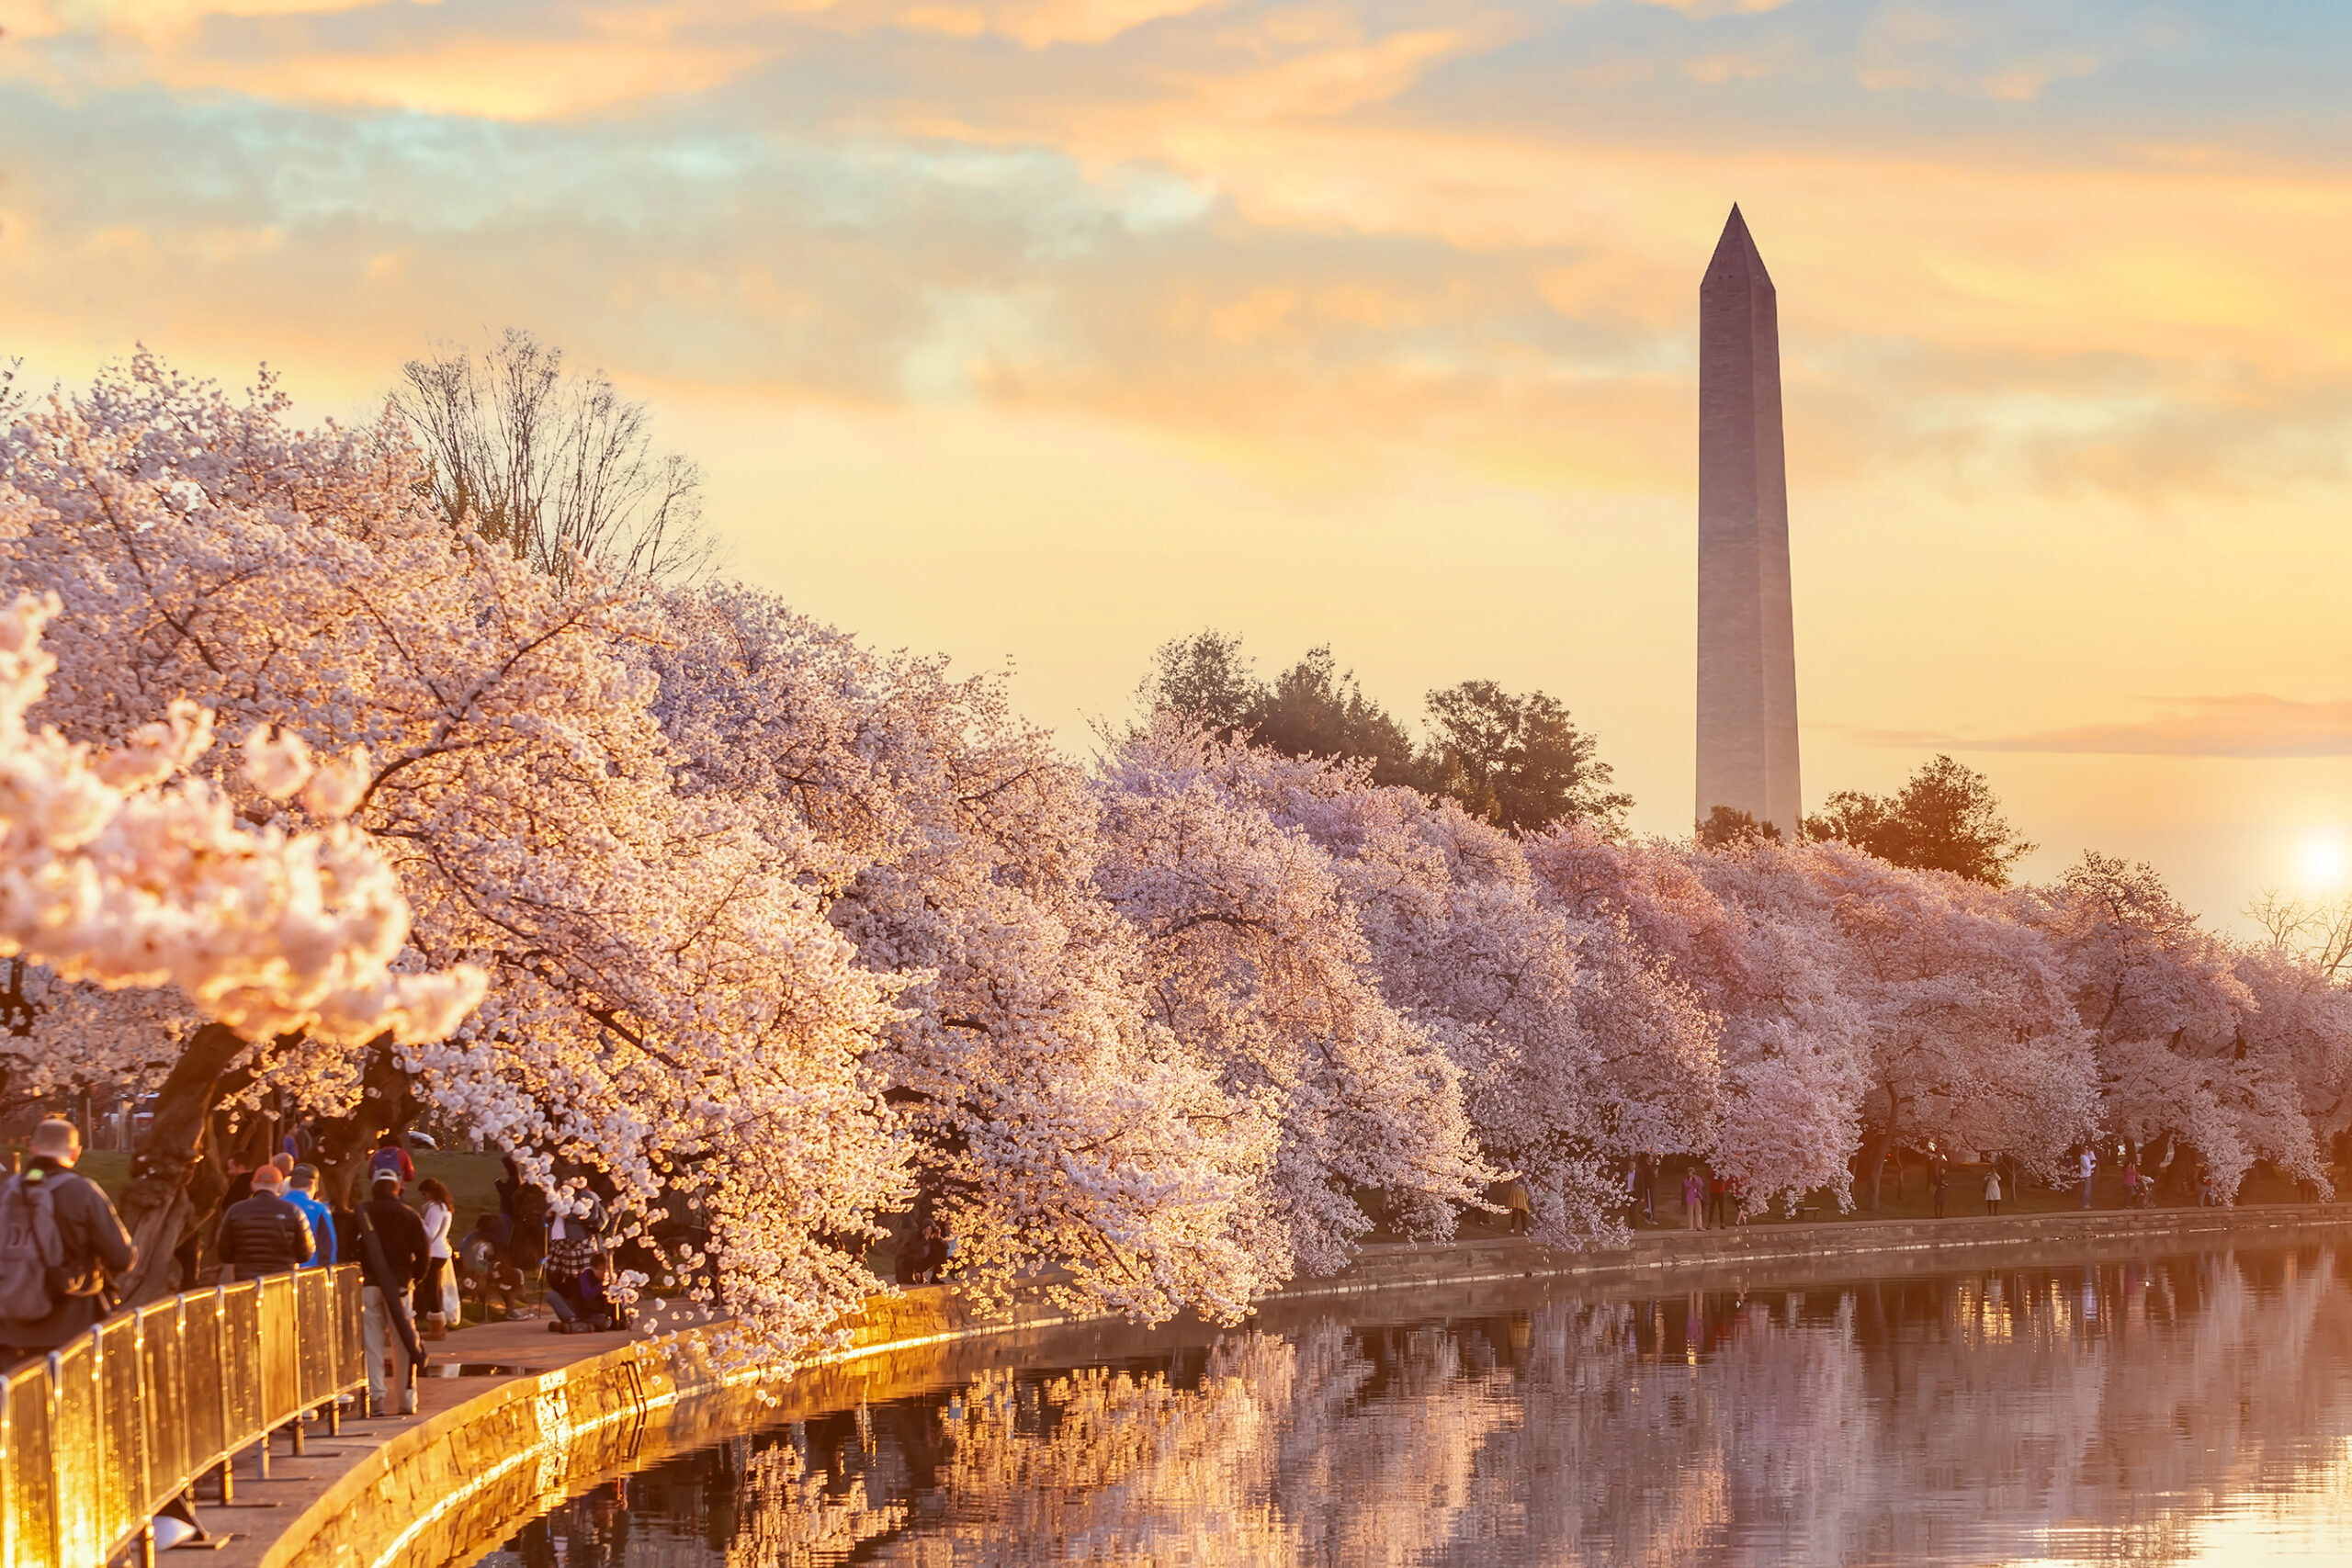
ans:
(2166, 1006)
(1059, 1123)
(670, 1017)
(1748, 932)
(1257, 961)
(1577, 1049)
(1970, 1036)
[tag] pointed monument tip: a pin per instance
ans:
(1736, 248)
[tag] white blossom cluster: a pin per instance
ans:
(767, 935)
(106, 875)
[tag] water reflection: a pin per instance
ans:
(2193, 1409)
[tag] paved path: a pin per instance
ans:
(472, 1360)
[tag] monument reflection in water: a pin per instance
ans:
(2196, 1409)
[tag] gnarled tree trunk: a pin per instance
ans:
(158, 1206)
(387, 1102)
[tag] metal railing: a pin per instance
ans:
(106, 1431)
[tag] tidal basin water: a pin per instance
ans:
(2189, 1409)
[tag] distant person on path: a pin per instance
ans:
(1942, 1180)
(1694, 1194)
(387, 1240)
(2089, 1165)
(2131, 1183)
(1646, 1171)
(264, 1234)
(302, 1192)
(2207, 1196)
(1993, 1190)
(241, 1183)
(61, 1247)
(440, 1211)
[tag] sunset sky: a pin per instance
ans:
(1046, 329)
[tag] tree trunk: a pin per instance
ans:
(1884, 1145)
(386, 1100)
(157, 1206)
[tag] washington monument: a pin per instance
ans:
(1747, 661)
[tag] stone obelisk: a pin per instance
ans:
(1747, 662)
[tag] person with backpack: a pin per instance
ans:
(387, 1240)
(61, 1247)
(265, 1234)
(390, 1159)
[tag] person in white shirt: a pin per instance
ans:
(433, 1291)
(2090, 1167)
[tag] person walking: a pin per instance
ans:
(433, 1290)
(302, 1192)
(1944, 1185)
(1647, 1169)
(264, 1235)
(387, 1240)
(1993, 1190)
(1694, 1194)
(61, 1247)
(2131, 1183)
(2089, 1165)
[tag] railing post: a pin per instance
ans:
(56, 1471)
(220, 1344)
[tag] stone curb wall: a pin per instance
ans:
(450, 1487)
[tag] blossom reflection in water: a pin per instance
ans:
(2196, 1409)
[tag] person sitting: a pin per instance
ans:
(485, 1273)
(582, 1302)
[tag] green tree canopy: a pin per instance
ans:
(1946, 818)
(1518, 760)
(1727, 825)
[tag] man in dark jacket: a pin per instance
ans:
(384, 1236)
(97, 1250)
(265, 1234)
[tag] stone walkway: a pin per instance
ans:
(470, 1361)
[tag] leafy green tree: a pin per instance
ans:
(1516, 761)
(1314, 710)
(1207, 677)
(1519, 762)
(1946, 818)
(1727, 825)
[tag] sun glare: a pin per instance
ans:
(2323, 865)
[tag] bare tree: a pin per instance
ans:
(2310, 929)
(553, 463)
